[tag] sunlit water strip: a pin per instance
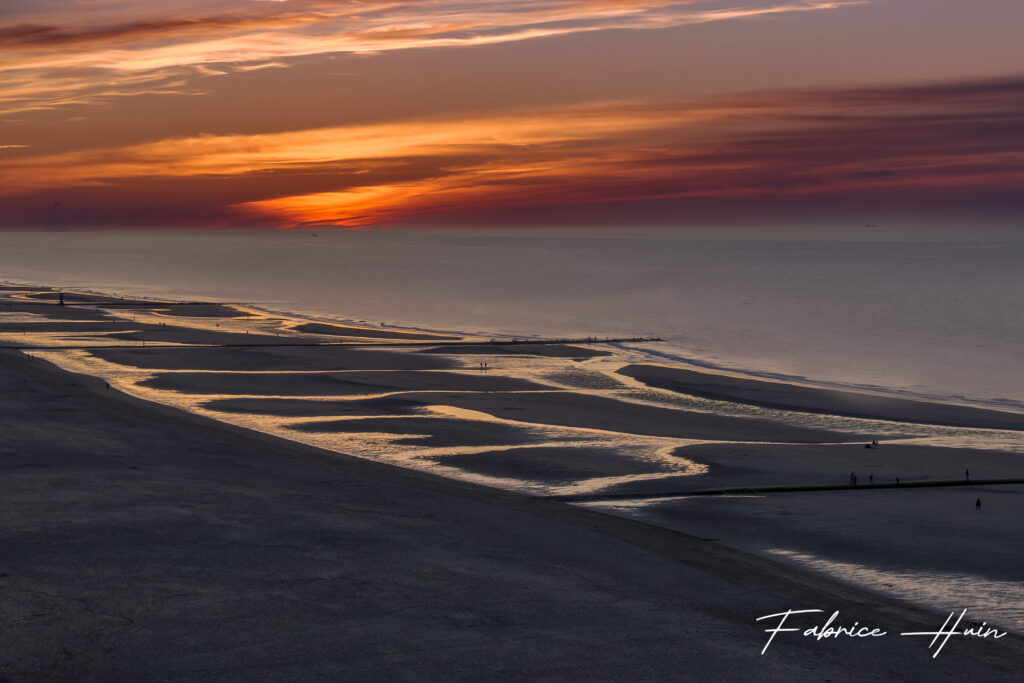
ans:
(394, 448)
(998, 602)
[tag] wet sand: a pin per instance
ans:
(831, 401)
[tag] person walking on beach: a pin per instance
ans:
(967, 475)
(977, 505)
(853, 478)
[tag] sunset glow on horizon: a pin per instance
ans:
(301, 113)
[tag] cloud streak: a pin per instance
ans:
(45, 65)
(762, 147)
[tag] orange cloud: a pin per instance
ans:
(517, 133)
(771, 145)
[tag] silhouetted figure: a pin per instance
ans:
(60, 299)
(967, 475)
(897, 481)
(871, 479)
(853, 478)
(977, 505)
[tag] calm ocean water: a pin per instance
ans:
(935, 315)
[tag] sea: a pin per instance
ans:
(935, 314)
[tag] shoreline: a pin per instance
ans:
(714, 369)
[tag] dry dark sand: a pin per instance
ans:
(271, 359)
(297, 407)
(808, 399)
(429, 431)
(53, 297)
(171, 334)
(59, 326)
(50, 312)
(549, 464)
(340, 384)
(140, 543)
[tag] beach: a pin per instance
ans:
(560, 340)
(183, 501)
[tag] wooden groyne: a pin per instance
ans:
(762, 490)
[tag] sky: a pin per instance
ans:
(212, 114)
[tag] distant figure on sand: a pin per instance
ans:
(60, 299)
(977, 505)
(853, 478)
(967, 475)
(871, 479)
